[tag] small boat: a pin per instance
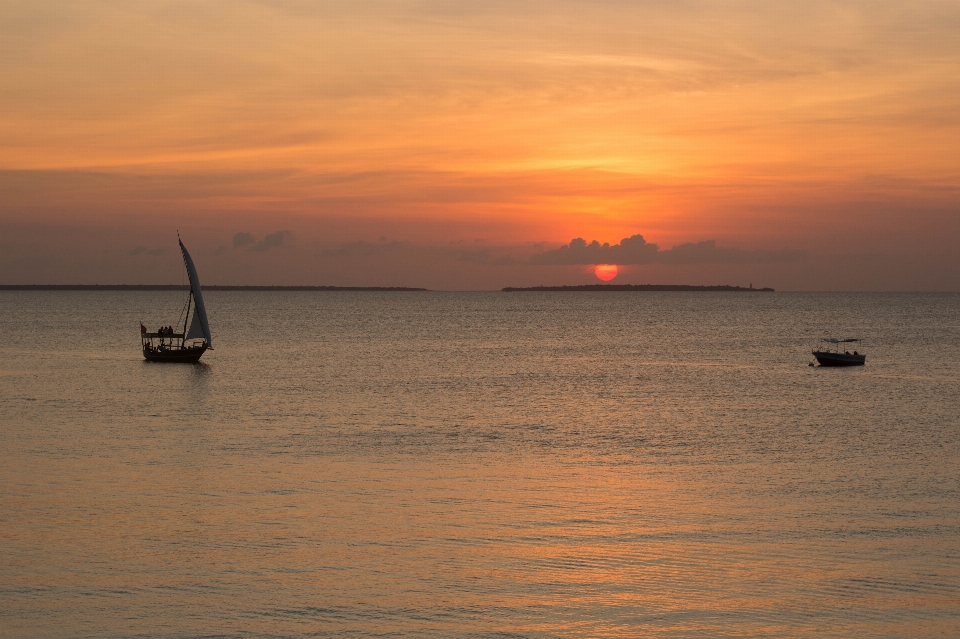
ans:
(829, 353)
(167, 345)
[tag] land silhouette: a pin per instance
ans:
(638, 287)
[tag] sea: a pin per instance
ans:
(480, 464)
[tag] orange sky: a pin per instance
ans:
(458, 139)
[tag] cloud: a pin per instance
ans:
(631, 250)
(271, 241)
(140, 250)
(636, 250)
(243, 239)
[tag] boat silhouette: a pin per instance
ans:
(188, 345)
(828, 353)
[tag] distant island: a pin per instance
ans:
(186, 287)
(639, 287)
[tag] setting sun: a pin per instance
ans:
(605, 272)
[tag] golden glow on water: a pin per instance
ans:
(449, 464)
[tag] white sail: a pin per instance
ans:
(199, 311)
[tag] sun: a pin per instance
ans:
(605, 272)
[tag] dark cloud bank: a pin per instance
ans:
(636, 250)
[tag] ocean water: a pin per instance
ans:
(480, 465)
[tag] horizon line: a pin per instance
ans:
(322, 288)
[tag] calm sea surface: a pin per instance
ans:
(480, 465)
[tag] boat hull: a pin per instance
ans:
(839, 359)
(187, 355)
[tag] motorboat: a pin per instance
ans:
(836, 352)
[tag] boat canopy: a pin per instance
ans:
(833, 340)
(199, 327)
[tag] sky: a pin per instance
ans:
(476, 145)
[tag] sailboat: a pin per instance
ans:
(167, 345)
